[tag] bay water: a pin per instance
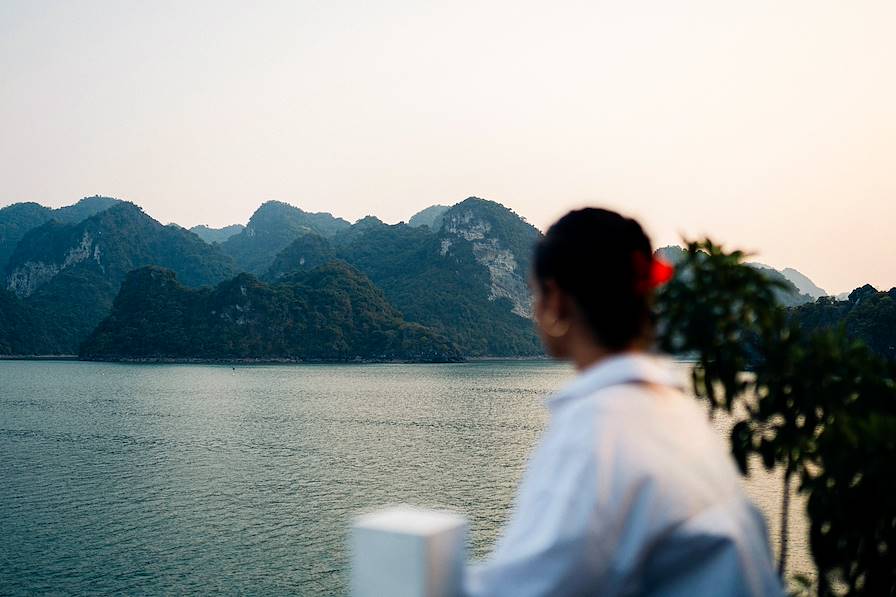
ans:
(160, 479)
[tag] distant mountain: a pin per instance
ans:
(501, 241)
(806, 288)
(216, 235)
(453, 281)
(464, 278)
(305, 253)
(83, 209)
(331, 312)
(431, 216)
(271, 229)
(867, 315)
(789, 296)
(803, 283)
(69, 274)
(357, 229)
(467, 279)
(17, 219)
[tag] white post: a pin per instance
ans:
(408, 552)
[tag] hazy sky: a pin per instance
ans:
(769, 125)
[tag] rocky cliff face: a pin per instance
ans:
(469, 222)
(18, 219)
(24, 279)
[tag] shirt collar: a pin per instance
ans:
(631, 367)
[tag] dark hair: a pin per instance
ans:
(601, 259)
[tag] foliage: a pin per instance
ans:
(119, 240)
(305, 253)
(431, 217)
(216, 235)
(445, 290)
(713, 309)
(785, 291)
(83, 209)
(507, 228)
(331, 312)
(22, 331)
(19, 218)
(867, 315)
(433, 277)
(15, 221)
(819, 406)
(271, 229)
(69, 304)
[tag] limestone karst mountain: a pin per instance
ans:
(271, 229)
(455, 279)
(330, 312)
(19, 218)
(69, 274)
(431, 217)
(216, 235)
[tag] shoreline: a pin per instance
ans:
(265, 361)
(39, 357)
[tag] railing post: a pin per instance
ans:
(408, 552)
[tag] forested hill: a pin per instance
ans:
(17, 219)
(331, 312)
(868, 315)
(270, 230)
(431, 217)
(306, 252)
(454, 277)
(67, 275)
(468, 279)
(461, 275)
(216, 235)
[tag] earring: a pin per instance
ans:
(558, 329)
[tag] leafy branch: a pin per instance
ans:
(817, 406)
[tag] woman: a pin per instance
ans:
(630, 492)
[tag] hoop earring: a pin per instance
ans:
(554, 332)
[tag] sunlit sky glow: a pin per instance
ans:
(768, 125)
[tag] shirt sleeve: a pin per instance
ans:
(588, 510)
(557, 542)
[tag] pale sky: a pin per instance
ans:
(769, 125)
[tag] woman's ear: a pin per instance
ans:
(552, 316)
(557, 325)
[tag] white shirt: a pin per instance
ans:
(630, 492)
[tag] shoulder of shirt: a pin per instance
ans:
(619, 375)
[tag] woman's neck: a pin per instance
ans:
(587, 354)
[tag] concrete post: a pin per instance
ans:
(408, 552)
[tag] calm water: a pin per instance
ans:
(186, 478)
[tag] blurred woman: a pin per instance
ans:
(630, 491)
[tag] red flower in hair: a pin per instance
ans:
(650, 274)
(660, 272)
